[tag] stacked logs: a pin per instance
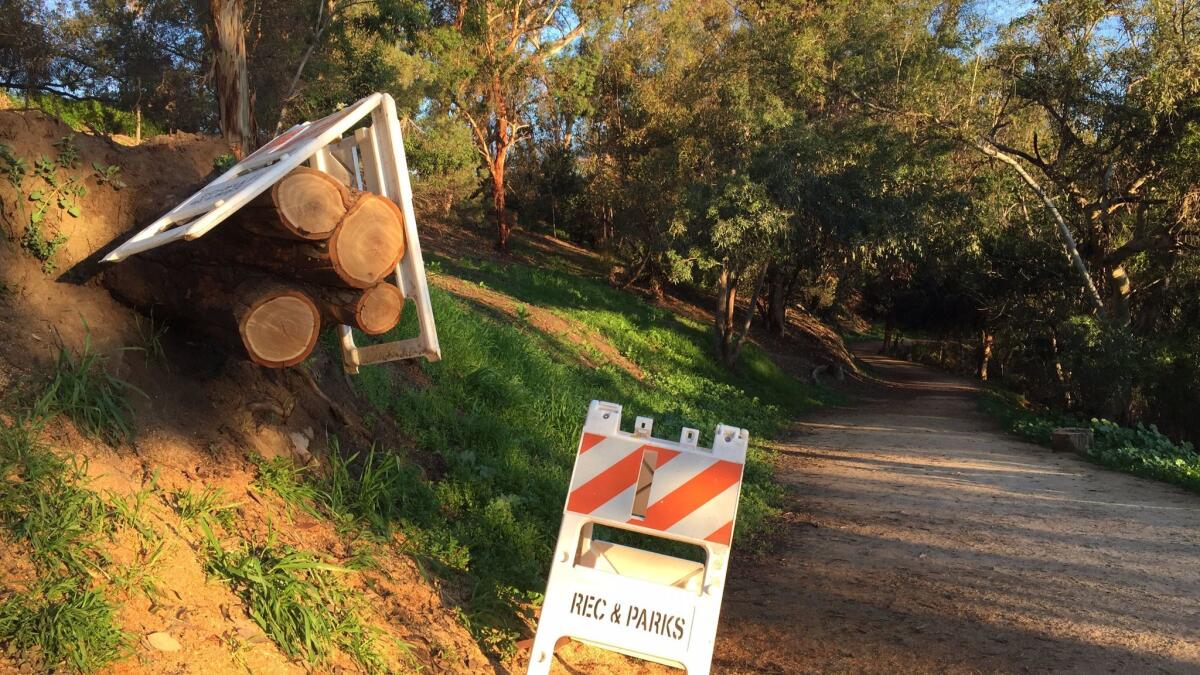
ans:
(307, 251)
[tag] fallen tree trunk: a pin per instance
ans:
(306, 204)
(275, 325)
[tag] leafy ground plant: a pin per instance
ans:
(63, 624)
(1142, 451)
(293, 596)
(83, 389)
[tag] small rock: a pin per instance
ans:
(300, 447)
(163, 642)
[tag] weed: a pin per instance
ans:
(293, 597)
(205, 508)
(281, 476)
(140, 575)
(63, 624)
(152, 332)
(127, 511)
(95, 399)
(223, 163)
(107, 175)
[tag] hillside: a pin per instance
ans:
(202, 510)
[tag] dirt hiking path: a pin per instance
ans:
(919, 538)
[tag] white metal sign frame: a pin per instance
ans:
(372, 159)
(624, 599)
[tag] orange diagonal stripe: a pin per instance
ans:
(589, 441)
(697, 492)
(723, 535)
(606, 485)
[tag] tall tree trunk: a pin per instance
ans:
(736, 347)
(227, 41)
(985, 353)
(1060, 373)
(889, 327)
(503, 140)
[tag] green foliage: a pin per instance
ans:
(206, 507)
(1142, 451)
(106, 174)
(62, 624)
(60, 621)
(223, 163)
(293, 596)
(95, 399)
(92, 116)
(281, 476)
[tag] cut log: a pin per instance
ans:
(306, 204)
(1071, 439)
(365, 248)
(278, 325)
(274, 325)
(369, 242)
(374, 311)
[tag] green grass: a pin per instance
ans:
(1142, 451)
(290, 482)
(293, 596)
(505, 406)
(97, 402)
(205, 507)
(63, 624)
(61, 621)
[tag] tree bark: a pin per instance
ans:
(227, 41)
(985, 353)
(1068, 240)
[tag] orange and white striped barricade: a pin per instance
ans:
(624, 599)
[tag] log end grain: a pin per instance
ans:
(369, 242)
(380, 308)
(280, 329)
(310, 203)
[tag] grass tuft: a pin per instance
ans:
(63, 624)
(281, 476)
(294, 598)
(95, 399)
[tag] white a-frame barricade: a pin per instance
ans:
(644, 604)
(367, 157)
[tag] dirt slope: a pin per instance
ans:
(921, 539)
(201, 420)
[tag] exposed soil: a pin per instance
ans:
(920, 539)
(202, 416)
